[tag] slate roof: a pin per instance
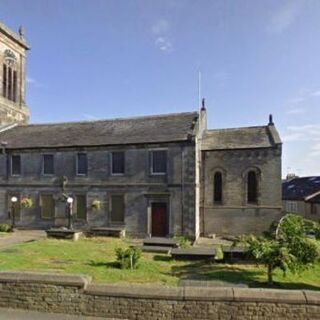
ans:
(300, 188)
(148, 129)
(241, 138)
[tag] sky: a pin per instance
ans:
(96, 59)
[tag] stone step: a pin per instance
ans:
(193, 253)
(163, 242)
(156, 249)
(107, 232)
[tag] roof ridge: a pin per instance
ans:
(236, 128)
(157, 116)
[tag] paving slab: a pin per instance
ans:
(20, 236)
(195, 253)
(157, 241)
(18, 314)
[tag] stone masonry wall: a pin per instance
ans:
(234, 215)
(137, 185)
(76, 295)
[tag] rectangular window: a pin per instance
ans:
(292, 206)
(15, 165)
(117, 208)
(48, 164)
(47, 205)
(4, 81)
(82, 164)
(159, 162)
(313, 208)
(117, 163)
(14, 91)
(9, 83)
(81, 207)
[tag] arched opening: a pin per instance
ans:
(252, 187)
(217, 188)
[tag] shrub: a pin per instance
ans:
(26, 203)
(5, 227)
(128, 258)
(96, 204)
(183, 241)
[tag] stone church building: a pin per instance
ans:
(159, 175)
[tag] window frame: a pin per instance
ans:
(291, 204)
(151, 152)
(53, 160)
(218, 202)
(256, 190)
(124, 163)
(122, 222)
(75, 207)
(11, 165)
(40, 205)
(77, 164)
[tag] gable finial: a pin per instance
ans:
(21, 31)
(203, 104)
(270, 120)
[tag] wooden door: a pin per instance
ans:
(159, 219)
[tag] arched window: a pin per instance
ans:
(252, 187)
(217, 187)
(9, 76)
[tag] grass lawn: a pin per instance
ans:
(96, 257)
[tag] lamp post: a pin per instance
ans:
(69, 208)
(13, 212)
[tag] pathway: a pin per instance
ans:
(20, 236)
(11, 314)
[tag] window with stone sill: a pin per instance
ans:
(158, 160)
(15, 165)
(82, 164)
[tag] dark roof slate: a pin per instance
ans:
(148, 129)
(299, 188)
(241, 138)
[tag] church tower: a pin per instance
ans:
(13, 47)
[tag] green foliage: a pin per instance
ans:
(96, 204)
(26, 203)
(128, 258)
(219, 253)
(183, 241)
(5, 227)
(285, 247)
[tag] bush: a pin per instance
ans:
(128, 258)
(183, 241)
(5, 228)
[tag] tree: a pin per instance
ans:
(286, 246)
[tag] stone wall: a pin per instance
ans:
(234, 215)
(139, 187)
(77, 295)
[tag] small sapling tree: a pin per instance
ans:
(286, 246)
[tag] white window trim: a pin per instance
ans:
(77, 165)
(151, 162)
(12, 174)
(111, 162)
(292, 206)
(48, 174)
